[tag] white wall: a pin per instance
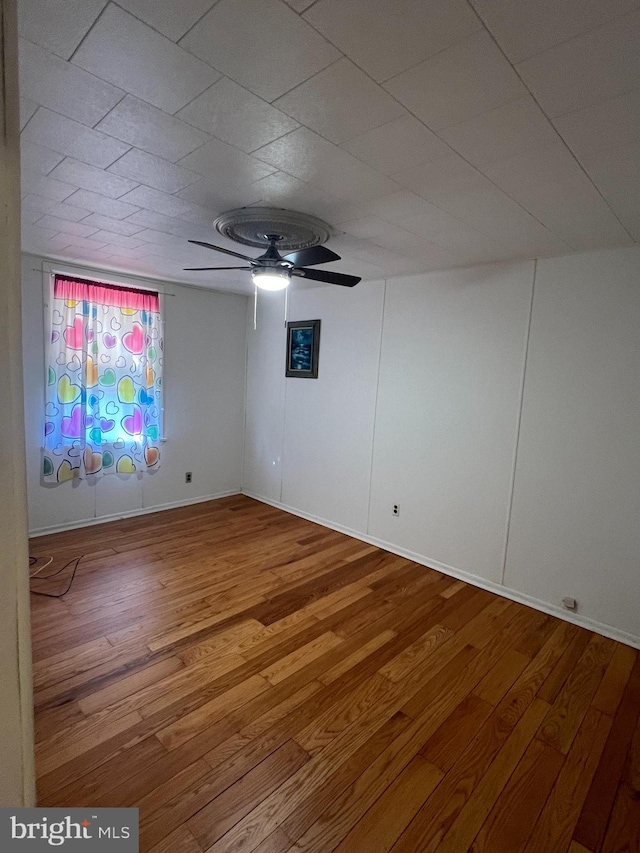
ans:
(265, 397)
(425, 377)
(452, 357)
(575, 525)
(204, 370)
(328, 428)
(17, 779)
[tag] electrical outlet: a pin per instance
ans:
(396, 509)
(570, 603)
(188, 476)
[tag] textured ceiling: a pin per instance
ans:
(428, 133)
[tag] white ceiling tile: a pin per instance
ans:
(564, 205)
(261, 44)
(62, 87)
(584, 234)
(73, 139)
(140, 251)
(161, 238)
(391, 262)
(283, 190)
(88, 253)
(632, 224)
(590, 68)
(311, 158)
(399, 207)
(151, 170)
(129, 54)
(152, 130)
(45, 186)
(120, 240)
(492, 253)
(399, 144)
(526, 29)
(449, 174)
(387, 38)
(184, 253)
(97, 203)
(160, 202)
(463, 81)
(551, 163)
(299, 5)
(608, 124)
(424, 221)
(340, 102)
(28, 216)
(237, 116)
(160, 222)
(216, 159)
(27, 109)
(503, 132)
(89, 178)
(79, 229)
(219, 196)
(493, 213)
(57, 25)
(200, 215)
(369, 227)
(41, 240)
(168, 17)
(395, 239)
(45, 205)
(116, 226)
(417, 249)
(83, 242)
(37, 159)
(457, 237)
(35, 233)
(616, 173)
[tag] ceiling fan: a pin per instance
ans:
(297, 235)
(273, 271)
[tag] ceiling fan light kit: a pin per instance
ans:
(299, 234)
(271, 279)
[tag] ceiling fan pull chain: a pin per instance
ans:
(286, 307)
(255, 307)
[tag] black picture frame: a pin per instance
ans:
(303, 348)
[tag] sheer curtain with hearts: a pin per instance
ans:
(103, 404)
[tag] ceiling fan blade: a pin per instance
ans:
(202, 269)
(220, 249)
(311, 256)
(327, 276)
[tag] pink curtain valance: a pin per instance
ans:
(80, 289)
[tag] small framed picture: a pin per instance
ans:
(303, 346)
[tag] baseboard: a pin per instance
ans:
(90, 522)
(459, 574)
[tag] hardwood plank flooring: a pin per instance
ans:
(255, 683)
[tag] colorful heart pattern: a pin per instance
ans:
(134, 340)
(126, 390)
(132, 424)
(67, 391)
(102, 393)
(74, 335)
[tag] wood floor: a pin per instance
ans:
(255, 682)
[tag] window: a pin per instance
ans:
(103, 408)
